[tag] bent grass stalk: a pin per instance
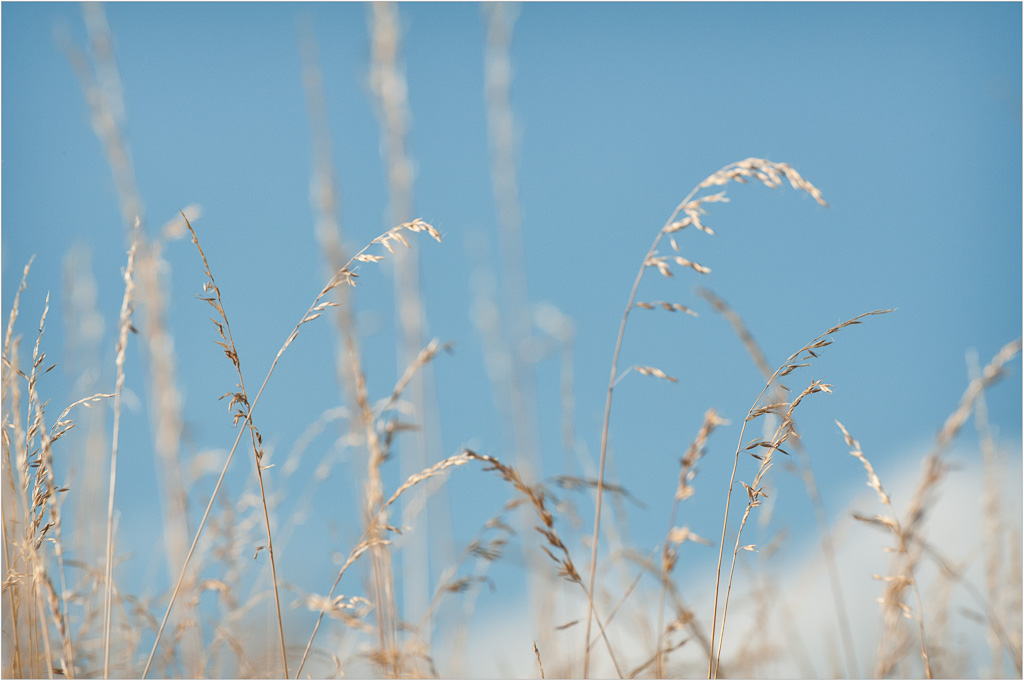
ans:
(346, 275)
(566, 567)
(768, 173)
(804, 464)
(993, 527)
(755, 492)
(800, 358)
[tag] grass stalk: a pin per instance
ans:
(993, 523)
(12, 422)
(676, 536)
(241, 398)
(127, 303)
(388, 82)
(892, 522)
(934, 470)
(807, 473)
(755, 492)
(53, 495)
(599, 495)
(767, 172)
(785, 430)
(344, 276)
(518, 395)
(371, 535)
(32, 472)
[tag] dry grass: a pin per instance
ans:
(764, 449)
(692, 207)
(907, 533)
(778, 396)
(65, 613)
(122, 344)
(678, 535)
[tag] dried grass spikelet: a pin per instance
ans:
(349, 609)
(677, 535)
(767, 172)
(671, 307)
(694, 453)
(653, 371)
(661, 262)
(540, 664)
(425, 356)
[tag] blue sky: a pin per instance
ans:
(906, 115)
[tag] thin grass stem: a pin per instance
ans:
(344, 276)
(785, 429)
(768, 173)
(122, 344)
